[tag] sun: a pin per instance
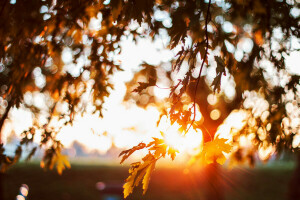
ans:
(185, 143)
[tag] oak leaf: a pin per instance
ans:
(219, 71)
(142, 85)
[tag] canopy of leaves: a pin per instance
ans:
(50, 47)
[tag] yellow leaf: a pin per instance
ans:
(141, 171)
(128, 186)
(213, 151)
(52, 162)
(172, 152)
(160, 150)
(138, 172)
(146, 179)
(61, 163)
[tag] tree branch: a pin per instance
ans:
(4, 116)
(207, 19)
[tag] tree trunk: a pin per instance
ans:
(294, 187)
(212, 173)
(213, 189)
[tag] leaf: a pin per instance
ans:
(220, 65)
(219, 71)
(258, 37)
(160, 150)
(216, 84)
(61, 163)
(213, 151)
(141, 171)
(172, 152)
(53, 157)
(128, 186)
(202, 50)
(127, 153)
(142, 86)
(187, 21)
(138, 172)
(147, 176)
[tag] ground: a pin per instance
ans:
(261, 183)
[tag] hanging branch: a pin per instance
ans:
(207, 19)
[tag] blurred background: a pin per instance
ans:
(78, 101)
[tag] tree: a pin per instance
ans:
(241, 39)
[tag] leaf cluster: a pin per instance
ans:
(141, 171)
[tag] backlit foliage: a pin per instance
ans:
(213, 152)
(142, 170)
(52, 48)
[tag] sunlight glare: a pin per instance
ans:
(184, 143)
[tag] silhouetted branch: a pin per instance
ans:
(202, 64)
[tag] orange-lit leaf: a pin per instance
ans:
(213, 151)
(258, 37)
(172, 152)
(61, 163)
(127, 153)
(138, 172)
(147, 176)
(141, 171)
(187, 21)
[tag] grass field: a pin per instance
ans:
(78, 183)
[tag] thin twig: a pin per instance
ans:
(202, 64)
(207, 132)
(163, 87)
